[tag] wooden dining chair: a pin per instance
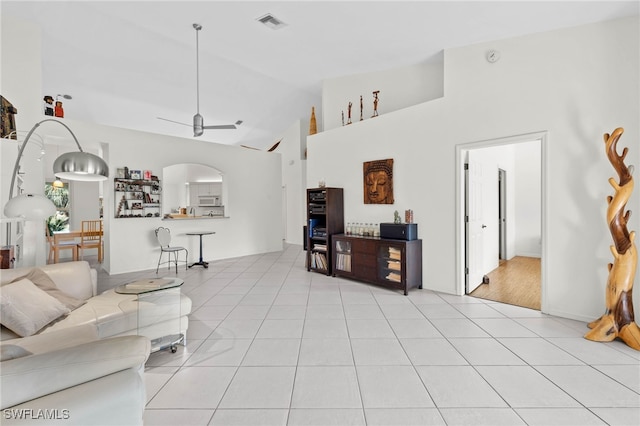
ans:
(54, 248)
(91, 237)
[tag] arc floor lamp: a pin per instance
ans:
(77, 165)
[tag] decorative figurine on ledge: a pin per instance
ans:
(349, 113)
(58, 111)
(361, 109)
(48, 105)
(618, 319)
(375, 103)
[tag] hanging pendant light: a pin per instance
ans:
(71, 166)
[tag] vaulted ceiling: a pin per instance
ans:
(126, 63)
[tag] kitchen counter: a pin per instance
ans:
(189, 217)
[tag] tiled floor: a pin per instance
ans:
(272, 344)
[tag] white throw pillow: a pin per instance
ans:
(25, 309)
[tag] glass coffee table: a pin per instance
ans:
(158, 301)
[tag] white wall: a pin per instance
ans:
(293, 181)
(562, 83)
(399, 88)
(21, 63)
(254, 204)
(528, 210)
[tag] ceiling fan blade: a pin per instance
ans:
(177, 122)
(221, 127)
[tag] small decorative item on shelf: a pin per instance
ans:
(396, 217)
(147, 175)
(120, 173)
(322, 183)
(48, 105)
(135, 174)
(126, 173)
(408, 216)
(8, 119)
(375, 103)
(313, 127)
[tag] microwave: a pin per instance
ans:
(208, 201)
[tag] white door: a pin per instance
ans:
(474, 223)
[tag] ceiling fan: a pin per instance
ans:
(198, 120)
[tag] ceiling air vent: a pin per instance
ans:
(271, 21)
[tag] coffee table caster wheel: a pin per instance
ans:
(174, 348)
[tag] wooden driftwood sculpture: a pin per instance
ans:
(618, 320)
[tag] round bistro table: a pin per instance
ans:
(200, 262)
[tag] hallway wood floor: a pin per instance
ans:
(516, 282)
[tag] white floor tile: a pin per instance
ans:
(413, 328)
(591, 387)
(458, 327)
(403, 416)
(286, 329)
(559, 416)
(177, 417)
(237, 329)
(260, 387)
(524, 387)
(482, 416)
(628, 375)
(592, 352)
(482, 351)
(194, 388)
(538, 351)
(326, 387)
(325, 352)
(622, 416)
(326, 417)
(436, 351)
(324, 328)
(325, 312)
(392, 387)
(363, 312)
(272, 352)
(503, 327)
(369, 328)
(251, 417)
(378, 352)
(220, 352)
(458, 386)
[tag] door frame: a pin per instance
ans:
(461, 155)
(502, 214)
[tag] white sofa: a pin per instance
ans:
(112, 314)
(70, 377)
(86, 366)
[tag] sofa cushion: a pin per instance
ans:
(43, 282)
(25, 308)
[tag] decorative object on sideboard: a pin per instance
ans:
(618, 319)
(378, 181)
(396, 217)
(313, 127)
(375, 103)
(408, 216)
(7, 113)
